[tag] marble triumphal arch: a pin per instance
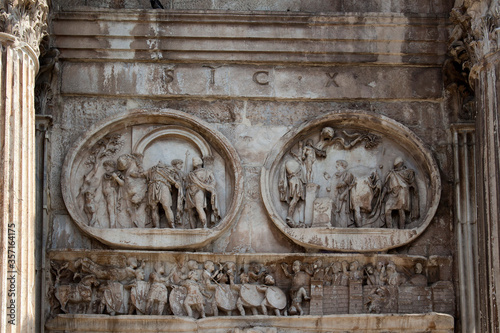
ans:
(249, 166)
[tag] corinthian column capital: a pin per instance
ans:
(475, 35)
(25, 19)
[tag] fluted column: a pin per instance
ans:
(19, 65)
(488, 162)
(22, 25)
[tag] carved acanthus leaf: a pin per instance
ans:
(25, 19)
(477, 24)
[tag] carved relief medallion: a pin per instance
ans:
(351, 182)
(152, 180)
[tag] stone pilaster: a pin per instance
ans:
(22, 25)
(466, 223)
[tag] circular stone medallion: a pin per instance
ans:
(153, 180)
(351, 181)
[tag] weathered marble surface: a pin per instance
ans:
(432, 322)
(277, 70)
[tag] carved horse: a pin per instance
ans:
(76, 293)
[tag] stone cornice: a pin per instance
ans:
(25, 19)
(239, 37)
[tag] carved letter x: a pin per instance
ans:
(331, 80)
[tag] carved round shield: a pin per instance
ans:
(176, 300)
(276, 297)
(139, 294)
(251, 295)
(225, 297)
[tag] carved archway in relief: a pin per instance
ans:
(351, 181)
(158, 179)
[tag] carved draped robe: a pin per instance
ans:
(201, 180)
(402, 192)
(343, 212)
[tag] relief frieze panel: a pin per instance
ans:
(351, 182)
(152, 179)
(199, 285)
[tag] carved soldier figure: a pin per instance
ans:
(255, 273)
(401, 194)
(208, 280)
(355, 272)
(225, 295)
(139, 290)
(393, 277)
(370, 275)
(380, 274)
(345, 273)
(335, 275)
(112, 180)
(158, 293)
(160, 179)
(298, 293)
(200, 185)
(275, 298)
(345, 182)
(418, 279)
(291, 188)
(248, 296)
(194, 297)
(378, 299)
(318, 270)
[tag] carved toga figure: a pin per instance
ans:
(345, 182)
(291, 188)
(401, 194)
(200, 186)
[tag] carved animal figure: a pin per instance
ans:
(76, 293)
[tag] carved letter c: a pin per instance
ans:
(256, 77)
